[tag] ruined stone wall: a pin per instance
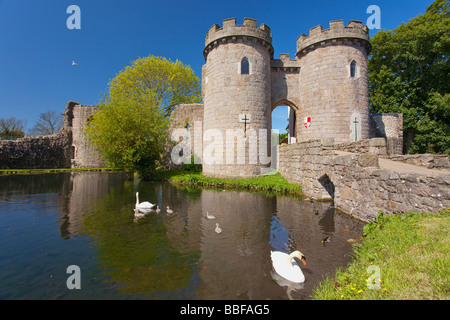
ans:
(356, 183)
(85, 155)
(68, 148)
(37, 152)
(182, 118)
(390, 127)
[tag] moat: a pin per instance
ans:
(51, 221)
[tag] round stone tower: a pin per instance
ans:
(333, 82)
(236, 94)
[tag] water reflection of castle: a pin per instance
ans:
(233, 264)
(80, 193)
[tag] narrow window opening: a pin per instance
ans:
(245, 67)
(353, 69)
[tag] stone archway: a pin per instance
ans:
(292, 117)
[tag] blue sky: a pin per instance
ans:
(37, 48)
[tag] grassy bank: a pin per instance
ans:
(411, 253)
(272, 183)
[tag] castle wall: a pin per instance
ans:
(284, 82)
(37, 152)
(356, 183)
(69, 148)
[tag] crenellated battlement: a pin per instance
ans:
(354, 32)
(230, 31)
(285, 62)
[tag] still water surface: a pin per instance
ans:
(51, 221)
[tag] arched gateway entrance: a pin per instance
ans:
(283, 127)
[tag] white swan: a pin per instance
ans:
(143, 205)
(286, 266)
(169, 211)
(209, 217)
(218, 229)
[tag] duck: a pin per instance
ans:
(143, 205)
(326, 239)
(218, 229)
(285, 265)
(209, 217)
(169, 211)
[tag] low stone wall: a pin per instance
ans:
(374, 146)
(365, 191)
(37, 152)
(430, 161)
(356, 183)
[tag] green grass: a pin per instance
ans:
(272, 183)
(412, 254)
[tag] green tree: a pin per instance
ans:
(129, 129)
(408, 73)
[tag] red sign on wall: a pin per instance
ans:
(307, 122)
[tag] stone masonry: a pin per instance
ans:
(69, 148)
(326, 82)
(358, 184)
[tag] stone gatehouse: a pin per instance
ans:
(325, 84)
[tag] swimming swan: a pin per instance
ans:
(209, 217)
(218, 229)
(143, 205)
(286, 266)
(169, 211)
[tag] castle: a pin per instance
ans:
(326, 85)
(341, 152)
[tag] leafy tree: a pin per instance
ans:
(11, 127)
(169, 83)
(408, 73)
(49, 122)
(129, 130)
